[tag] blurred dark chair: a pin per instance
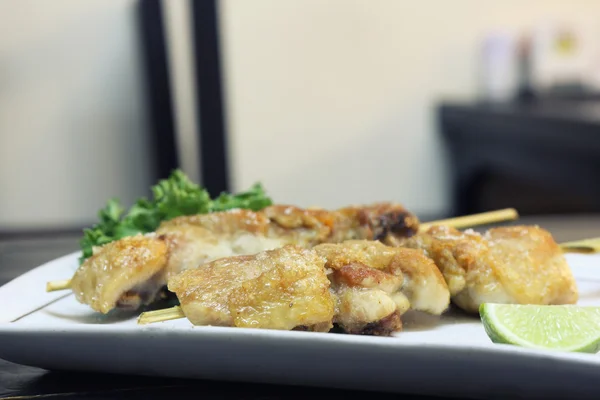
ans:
(208, 91)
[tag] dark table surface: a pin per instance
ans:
(20, 255)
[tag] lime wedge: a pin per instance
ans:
(563, 328)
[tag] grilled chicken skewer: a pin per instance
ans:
(410, 223)
(131, 272)
(364, 287)
(514, 264)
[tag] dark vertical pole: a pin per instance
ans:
(211, 119)
(158, 87)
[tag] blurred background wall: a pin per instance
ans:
(73, 128)
(340, 94)
(327, 103)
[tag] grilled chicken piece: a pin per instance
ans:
(285, 288)
(515, 265)
(197, 239)
(375, 284)
(372, 285)
(127, 273)
(194, 240)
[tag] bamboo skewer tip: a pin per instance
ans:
(54, 286)
(506, 214)
(584, 246)
(150, 317)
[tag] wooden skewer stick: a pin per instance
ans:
(53, 286)
(507, 214)
(584, 246)
(166, 314)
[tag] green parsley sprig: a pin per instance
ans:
(172, 197)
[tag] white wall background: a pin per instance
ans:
(331, 102)
(72, 130)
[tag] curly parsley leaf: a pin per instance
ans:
(172, 197)
(254, 199)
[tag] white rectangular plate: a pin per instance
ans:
(450, 355)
